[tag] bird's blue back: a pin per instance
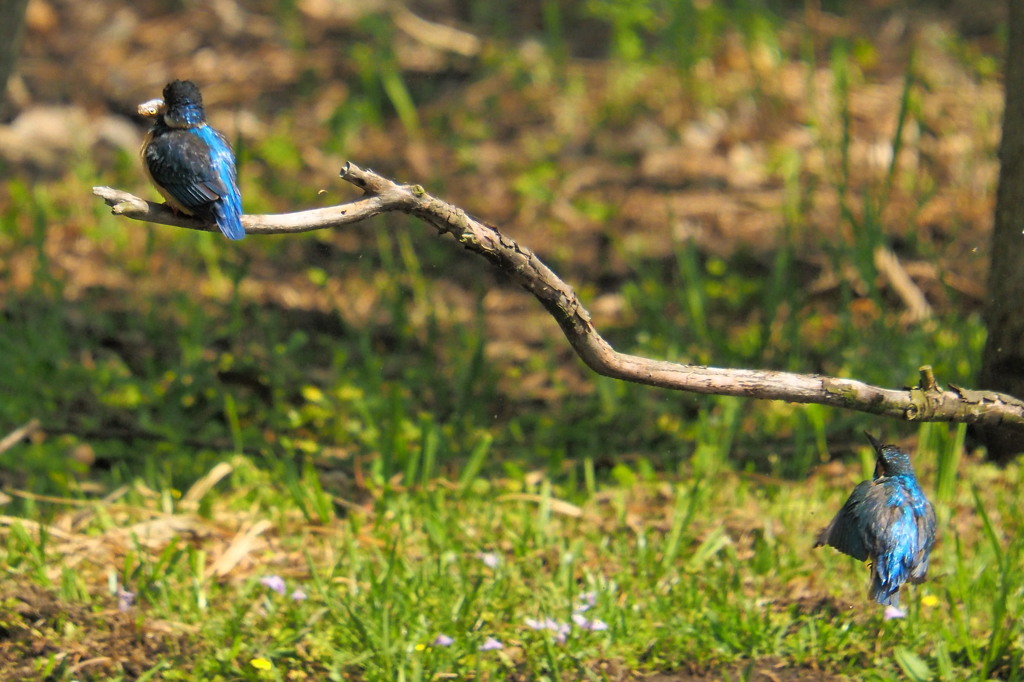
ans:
(889, 521)
(898, 524)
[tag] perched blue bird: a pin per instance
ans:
(888, 521)
(190, 163)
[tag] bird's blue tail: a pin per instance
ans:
(886, 595)
(228, 212)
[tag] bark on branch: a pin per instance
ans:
(925, 402)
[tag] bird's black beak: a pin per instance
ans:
(877, 445)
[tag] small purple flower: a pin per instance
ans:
(491, 644)
(273, 582)
(125, 599)
(490, 559)
(535, 624)
(442, 640)
(560, 630)
(546, 624)
(589, 599)
(892, 613)
(298, 594)
(586, 624)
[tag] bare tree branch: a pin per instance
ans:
(18, 434)
(889, 265)
(925, 402)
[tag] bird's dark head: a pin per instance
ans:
(889, 459)
(181, 107)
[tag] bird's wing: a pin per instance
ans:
(180, 164)
(845, 532)
(925, 539)
(228, 212)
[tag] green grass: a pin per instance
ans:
(703, 573)
(215, 413)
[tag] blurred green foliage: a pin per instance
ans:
(379, 378)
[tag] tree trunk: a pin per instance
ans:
(12, 20)
(1002, 366)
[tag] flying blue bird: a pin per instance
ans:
(190, 163)
(888, 521)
